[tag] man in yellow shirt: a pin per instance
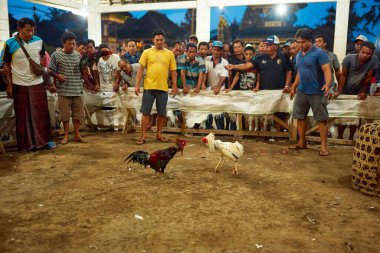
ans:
(157, 61)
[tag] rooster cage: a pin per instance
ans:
(366, 160)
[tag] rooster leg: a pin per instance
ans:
(216, 168)
(235, 170)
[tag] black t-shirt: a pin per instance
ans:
(232, 59)
(272, 71)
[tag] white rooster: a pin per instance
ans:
(231, 150)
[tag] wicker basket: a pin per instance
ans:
(366, 160)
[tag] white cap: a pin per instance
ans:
(361, 37)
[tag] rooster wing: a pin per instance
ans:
(231, 150)
(160, 158)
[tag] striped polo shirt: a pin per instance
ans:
(21, 73)
(67, 65)
(192, 69)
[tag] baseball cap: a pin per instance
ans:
(193, 36)
(361, 37)
(249, 46)
(288, 42)
(217, 43)
(272, 39)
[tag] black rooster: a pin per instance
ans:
(158, 159)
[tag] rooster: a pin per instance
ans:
(231, 150)
(158, 159)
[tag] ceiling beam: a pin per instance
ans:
(63, 4)
(148, 6)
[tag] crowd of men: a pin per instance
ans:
(302, 65)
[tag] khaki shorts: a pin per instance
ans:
(71, 104)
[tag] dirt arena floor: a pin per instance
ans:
(79, 198)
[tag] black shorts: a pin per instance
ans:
(148, 98)
(303, 102)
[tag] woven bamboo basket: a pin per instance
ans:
(366, 160)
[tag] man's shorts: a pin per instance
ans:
(74, 105)
(317, 103)
(148, 98)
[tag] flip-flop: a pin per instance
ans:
(296, 147)
(64, 142)
(162, 139)
(81, 140)
(324, 153)
(140, 142)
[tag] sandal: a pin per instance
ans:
(140, 142)
(296, 147)
(64, 141)
(81, 140)
(324, 153)
(162, 139)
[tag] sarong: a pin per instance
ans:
(32, 116)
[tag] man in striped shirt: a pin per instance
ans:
(64, 66)
(192, 69)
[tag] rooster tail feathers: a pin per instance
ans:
(140, 157)
(240, 147)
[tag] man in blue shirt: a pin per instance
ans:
(312, 85)
(132, 56)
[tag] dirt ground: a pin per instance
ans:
(79, 198)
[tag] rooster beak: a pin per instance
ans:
(204, 139)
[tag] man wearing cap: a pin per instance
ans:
(358, 43)
(192, 69)
(357, 72)
(273, 67)
(312, 85)
(215, 68)
(286, 48)
(216, 77)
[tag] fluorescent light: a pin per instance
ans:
(281, 9)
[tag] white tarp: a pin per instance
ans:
(199, 105)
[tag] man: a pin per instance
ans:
(131, 55)
(177, 48)
(357, 72)
(312, 85)
(89, 69)
(192, 69)
(158, 61)
(215, 68)
(226, 50)
(358, 43)
(320, 41)
(128, 73)
(108, 68)
(203, 49)
(26, 89)
(90, 47)
(216, 77)
(81, 47)
(294, 49)
(286, 48)
(64, 65)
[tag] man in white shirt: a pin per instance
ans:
(216, 77)
(108, 68)
(215, 68)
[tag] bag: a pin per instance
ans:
(36, 68)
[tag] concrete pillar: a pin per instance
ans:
(4, 21)
(341, 28)
(94, 24)
(203, 20)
